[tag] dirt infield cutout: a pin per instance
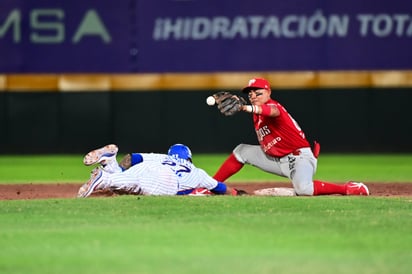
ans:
(66, 190)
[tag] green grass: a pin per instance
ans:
(45, 169)
(331, 167)
(207, 235)
(222, 234)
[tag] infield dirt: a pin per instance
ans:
(67, 190)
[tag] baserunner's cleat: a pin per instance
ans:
(92, 184)
(100, 155)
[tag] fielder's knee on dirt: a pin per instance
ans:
(303, 188)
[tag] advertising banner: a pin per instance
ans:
(156, 36)
(47, 36)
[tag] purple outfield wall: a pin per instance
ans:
(155, 36)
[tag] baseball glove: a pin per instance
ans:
(227, 103)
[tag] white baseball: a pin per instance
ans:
(210, 100)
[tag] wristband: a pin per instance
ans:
(249, 108)
(259, 110)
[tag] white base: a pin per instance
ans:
(276, 191)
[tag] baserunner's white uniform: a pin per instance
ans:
(157, 174)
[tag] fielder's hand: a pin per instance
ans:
(227, 103)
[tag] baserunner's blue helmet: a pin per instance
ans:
(180, 151)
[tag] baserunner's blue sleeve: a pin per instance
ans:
(136, 158)
(220, 188)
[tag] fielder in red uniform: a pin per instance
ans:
(283, 150)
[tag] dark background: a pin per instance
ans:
(342, 120)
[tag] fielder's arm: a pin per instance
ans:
(266, 110)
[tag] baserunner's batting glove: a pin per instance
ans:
(238, 192)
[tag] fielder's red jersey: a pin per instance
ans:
(279, 136)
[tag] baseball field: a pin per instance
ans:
(45, 229)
